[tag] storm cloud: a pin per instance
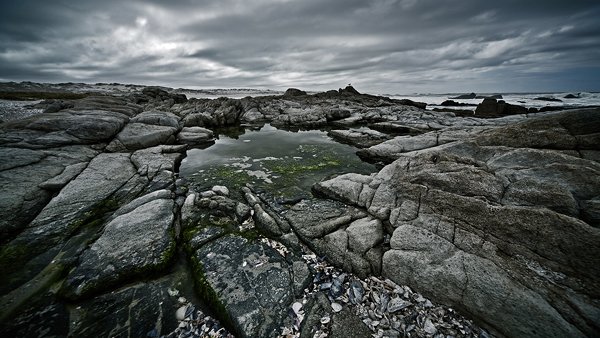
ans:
(384, 46)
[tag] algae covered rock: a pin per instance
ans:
(132, 245)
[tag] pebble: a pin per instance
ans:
(397, 304)
(180, 313)
(337, 307)
(429, 327)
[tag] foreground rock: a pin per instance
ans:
(61, 192)
(93, 211)
(477, 223)
(251, 284)
(138, 241)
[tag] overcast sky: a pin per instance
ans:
(382, 46)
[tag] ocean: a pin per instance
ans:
(522, 99)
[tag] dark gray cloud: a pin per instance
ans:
(386, 46)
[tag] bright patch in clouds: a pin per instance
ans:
(385, 46)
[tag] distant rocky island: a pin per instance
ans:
(473, 224)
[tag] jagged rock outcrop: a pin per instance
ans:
(491, 107)
(493, 225)
(290, 92)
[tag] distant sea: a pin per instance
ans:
(522, 99)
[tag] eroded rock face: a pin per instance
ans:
(492, 225)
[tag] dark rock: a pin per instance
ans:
(56, 105)
(43, 317)
(291, 92)
(135, 311)
(572, 96)
(493, 108)
(421, 105)
(212, 113)
(155, 92)
(346, 322)
(349, 90)
(465, 97)
(335, 114)
(451, 103)
(251, 285)
(179, 98)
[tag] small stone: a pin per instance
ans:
(296, 307)
(220, 190)
(325, 320)
(336, 287)
(397, 304)
(355, 292)
(336, 307)
(207, 194)
(180, 313)
(429, 327)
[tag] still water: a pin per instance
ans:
(282, 162)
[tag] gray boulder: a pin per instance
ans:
(139, 135)
(157, 118)
(132, 245)
(195, 136)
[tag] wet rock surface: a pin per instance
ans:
(497, 218)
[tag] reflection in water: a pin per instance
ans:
(283, 162)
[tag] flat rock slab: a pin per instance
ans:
(140, 135)
(252, 284)
(141, 310)
(341, 233)
(132, 245)
(361, 138)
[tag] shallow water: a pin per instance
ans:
(282, 162)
